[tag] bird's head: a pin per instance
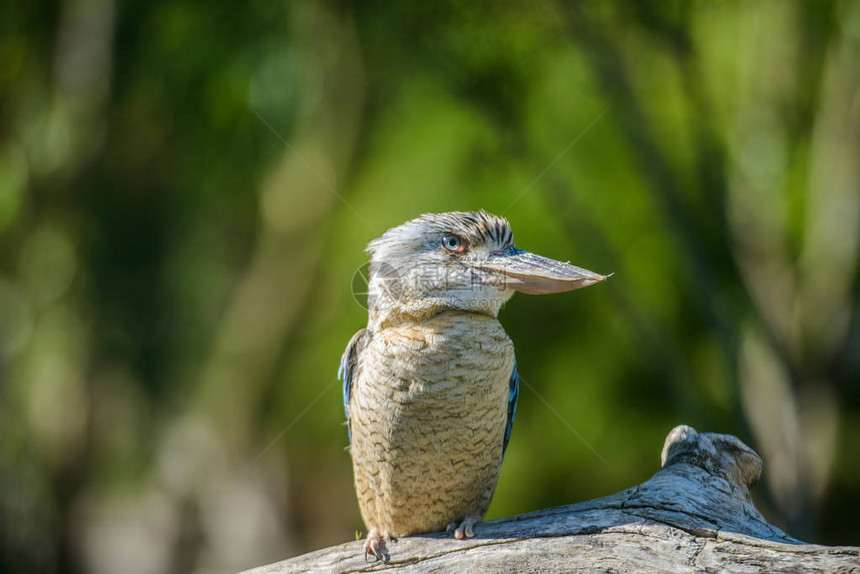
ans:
(459, 260)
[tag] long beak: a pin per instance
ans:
(537, 275)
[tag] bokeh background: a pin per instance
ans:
(186, 189)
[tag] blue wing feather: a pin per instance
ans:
(512, 405)
(346, 371)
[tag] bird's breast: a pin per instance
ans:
(452, 358)
(428, 417)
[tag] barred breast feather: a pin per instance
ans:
(428, 409)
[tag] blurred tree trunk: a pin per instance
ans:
(295, 201)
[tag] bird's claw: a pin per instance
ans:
(375, 544)
(464, 529)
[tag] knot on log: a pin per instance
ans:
(718, 454)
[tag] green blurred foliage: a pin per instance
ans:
(186, 190)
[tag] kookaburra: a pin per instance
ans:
(430, 386)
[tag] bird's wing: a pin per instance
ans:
(346, 372)
(512, 405)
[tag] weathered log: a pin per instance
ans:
(694, 515)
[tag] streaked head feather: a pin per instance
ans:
(477, 228)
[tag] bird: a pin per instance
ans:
(430, 386)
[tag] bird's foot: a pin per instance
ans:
(376, 544)
(464, 529)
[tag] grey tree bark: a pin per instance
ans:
(694, 515)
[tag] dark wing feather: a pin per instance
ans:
(512, 405)
(346, 372)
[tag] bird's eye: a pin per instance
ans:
(453, 243)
